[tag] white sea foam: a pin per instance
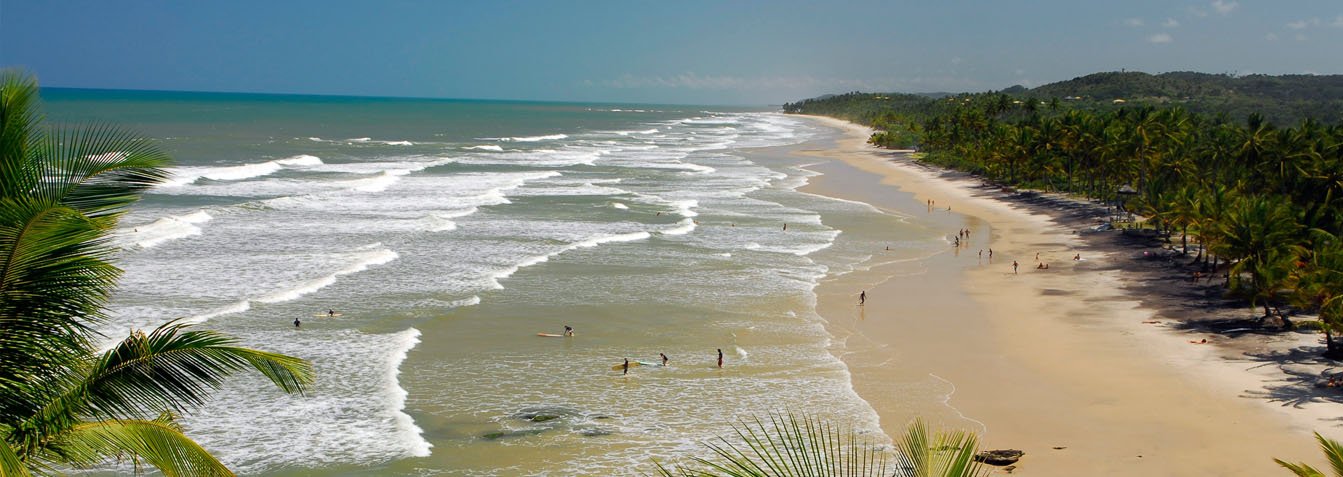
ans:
(186, 175)
(619, 205)
(374, 254)
(486, 147)
(548, 137)
(163, 230)
(230, 309)
(683, 227)
(629, 237)
(627, 133)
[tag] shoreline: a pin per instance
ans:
(1076, 365)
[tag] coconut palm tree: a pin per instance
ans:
(1261, 233)
(1332, 450)
(62, 402)
(786, 445)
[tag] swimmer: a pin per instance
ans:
(568, 330)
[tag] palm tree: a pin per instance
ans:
(1332, 450)
(1259, 232)
(63, 403)
(1318, 285)
(810, 447)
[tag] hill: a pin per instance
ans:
(1282, 100)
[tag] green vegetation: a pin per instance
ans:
(64, 403)
(1332, 450)
(1287, 99)
(810, 447)
(1263, 204)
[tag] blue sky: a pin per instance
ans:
(704, 52)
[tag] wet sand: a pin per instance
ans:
(1068, 364)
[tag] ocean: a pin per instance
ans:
(449, 233)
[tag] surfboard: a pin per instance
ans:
(549, 335)
(618, 367)
(324, 314)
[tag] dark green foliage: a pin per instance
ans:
(1252, 194)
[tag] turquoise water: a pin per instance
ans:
(448, 234)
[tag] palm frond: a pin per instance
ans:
(54, 281)
(18, 127)
(98, 169)
(946, 454)
(175, 368)
(156, 443)
(10, 465)
(1301, 470)
(1333, 450)
(786, 445)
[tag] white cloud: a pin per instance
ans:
(1019, 72)
(1133, 22)
(1271, 37)
(1170, 23)
(1300, 37)
(1160, 38)
(957, 60)
(1297, 25)
(1224, 7)
(1338, 22)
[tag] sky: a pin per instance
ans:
(682, 51)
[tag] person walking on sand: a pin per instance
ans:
(625, 368)
(664, 358)
(862, 297)
(1014, 266)
(568, 330)
(720, 358)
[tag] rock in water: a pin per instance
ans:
(999, 457)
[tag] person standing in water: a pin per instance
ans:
(664, 358)
(720, 358)
(862, 297)
(568, 330)
(1014, 266)
(625, 368)
(296, 322)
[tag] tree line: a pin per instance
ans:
(1254, 202)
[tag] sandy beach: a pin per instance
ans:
(1073, 365)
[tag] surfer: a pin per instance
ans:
(568, 330)
(330, 312)
(785, 226)
(296, 322)
(625, 368)
(720, 358)
(862, 297)
(664, 358)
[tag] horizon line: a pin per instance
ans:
(389, 97)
